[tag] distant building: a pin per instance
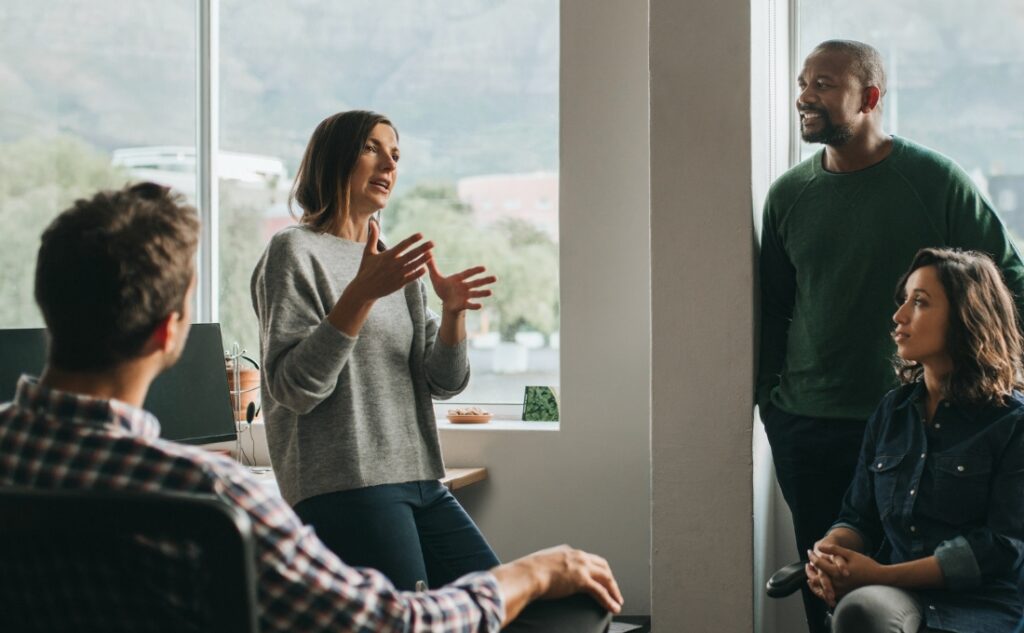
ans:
(257, 180)
(1007, 194)
(176, 166)
(530, 197)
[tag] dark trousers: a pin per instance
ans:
(815, 460)
(409, 532)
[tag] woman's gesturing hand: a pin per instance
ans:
(459, 292)
(383, 272)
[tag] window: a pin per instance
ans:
(85, 83)
(956, 80)
(472, 88)
(100, 92)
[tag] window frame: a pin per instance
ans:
(207, 295)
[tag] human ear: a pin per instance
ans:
(163, 334)
(872, 95)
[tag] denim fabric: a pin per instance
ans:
(410, 532)
(953, 489)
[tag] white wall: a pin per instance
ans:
(703, 315)
(589, 483)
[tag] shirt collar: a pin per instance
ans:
(84, 410)
(969, 413)
(913, 397)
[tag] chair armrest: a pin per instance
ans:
(786, 580)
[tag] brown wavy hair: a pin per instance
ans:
(109, 269)
(984, 338)
(321, 186)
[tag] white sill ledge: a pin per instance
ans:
(497, 424)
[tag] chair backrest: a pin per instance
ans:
(117, 561)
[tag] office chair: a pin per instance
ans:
(80, 560)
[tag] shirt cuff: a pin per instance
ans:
(869, 546)
(958, 563)
(486, 592)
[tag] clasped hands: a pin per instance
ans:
(383, 272)
(834, 571)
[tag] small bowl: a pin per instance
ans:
(470, 419)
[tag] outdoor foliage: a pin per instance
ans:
(40, 176)
(524, 259)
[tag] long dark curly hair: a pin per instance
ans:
(984, 339)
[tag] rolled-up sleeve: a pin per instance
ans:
(958, 563)
(997, 548)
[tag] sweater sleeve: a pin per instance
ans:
(446, 366)
(778, 294)
(974, 224)
(302, 353)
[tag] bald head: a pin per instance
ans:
(865, 61)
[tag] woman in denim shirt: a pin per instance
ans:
(940, 480)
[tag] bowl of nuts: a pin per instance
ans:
(469, 415)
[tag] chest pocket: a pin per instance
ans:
(884, 470)
(960, 487)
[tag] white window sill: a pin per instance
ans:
(498, 424)
(507, 417)
(501, 422)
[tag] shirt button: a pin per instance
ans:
(879, 465)
(938, 426)
(912, 491)
(913, 528)
(945, 404)
(922, 455)
(932, 607)
(959, 469)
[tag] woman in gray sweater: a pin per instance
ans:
(352, 358)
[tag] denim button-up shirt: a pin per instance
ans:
(953, 489)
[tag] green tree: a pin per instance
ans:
(241, 245)
(40, 177)
(524, 258)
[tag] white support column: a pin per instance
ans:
(207, 147)
(702, 316)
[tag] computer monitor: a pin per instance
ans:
(190, 399)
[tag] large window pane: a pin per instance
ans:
(472, 87)
(93, 93)
(956, 81)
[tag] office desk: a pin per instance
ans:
(454, 478)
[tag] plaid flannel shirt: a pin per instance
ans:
(58, 440)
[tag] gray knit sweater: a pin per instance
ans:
(344, 412)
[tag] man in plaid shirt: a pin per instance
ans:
(114, 281)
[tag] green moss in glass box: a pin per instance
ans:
(540, 405)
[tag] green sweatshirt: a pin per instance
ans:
(833, 247)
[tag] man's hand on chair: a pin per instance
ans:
(556, 573)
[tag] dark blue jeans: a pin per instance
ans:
(815, 459)
(411, 531)
(418, 531)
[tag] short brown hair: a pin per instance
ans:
(110, 269)
(984, 339)
(321, 185)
